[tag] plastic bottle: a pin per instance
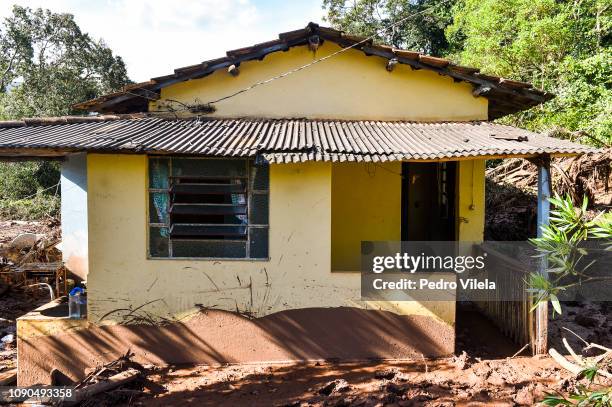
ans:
(76, 303)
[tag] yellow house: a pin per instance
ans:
(217, 213)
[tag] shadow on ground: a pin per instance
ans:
(419, 383)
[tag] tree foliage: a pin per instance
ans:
(563, 47)
(47, 64)
(560, 46)
(423, 31)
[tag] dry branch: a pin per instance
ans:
(105, 385)
(110, 383)
(581, 363)
(588, 175)
(564, 363)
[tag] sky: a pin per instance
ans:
(156, 36)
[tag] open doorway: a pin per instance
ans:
(429, 214)
(428, 201)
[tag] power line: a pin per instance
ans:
(141, 96)
(316, 61)
(42, 190)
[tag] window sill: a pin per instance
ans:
(206, 259)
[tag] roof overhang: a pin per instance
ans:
(278, 140)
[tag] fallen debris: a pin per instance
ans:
(14, 303)
(386, 374)
(587, 175)
(580, 363)
(31, 258)
(117, 381)
(512, 186)
(23, 242)
(335, 386)
(8, 378)
(109, 384)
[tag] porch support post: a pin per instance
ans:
(544, 193)
(540, 338)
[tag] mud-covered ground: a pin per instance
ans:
(484, 372)
(14, 303)
(590, 321)
(447, 382)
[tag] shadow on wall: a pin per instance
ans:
(218, 337)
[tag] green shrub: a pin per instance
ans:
(29, 190)
(37, 208)
(20, 180)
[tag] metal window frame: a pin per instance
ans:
(249, 163)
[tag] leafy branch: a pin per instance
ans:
(561, 247)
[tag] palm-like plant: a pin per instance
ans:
(562, 247)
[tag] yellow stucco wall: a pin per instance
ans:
(350, 85)
(298, 274)
(366, 205)
(471, 200)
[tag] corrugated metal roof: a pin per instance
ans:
(278, 140)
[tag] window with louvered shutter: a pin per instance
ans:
(208, 208)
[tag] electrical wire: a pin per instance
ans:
(42, 190)
(316, 61)
(370, 168)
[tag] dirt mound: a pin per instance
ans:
(510, 212)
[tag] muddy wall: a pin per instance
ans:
(218, 337)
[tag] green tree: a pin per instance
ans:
(46, 65)
(563, 47)
(559, 46)
(583, 104)
(424, 31)
(563, 246)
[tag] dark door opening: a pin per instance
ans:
(428, 201)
